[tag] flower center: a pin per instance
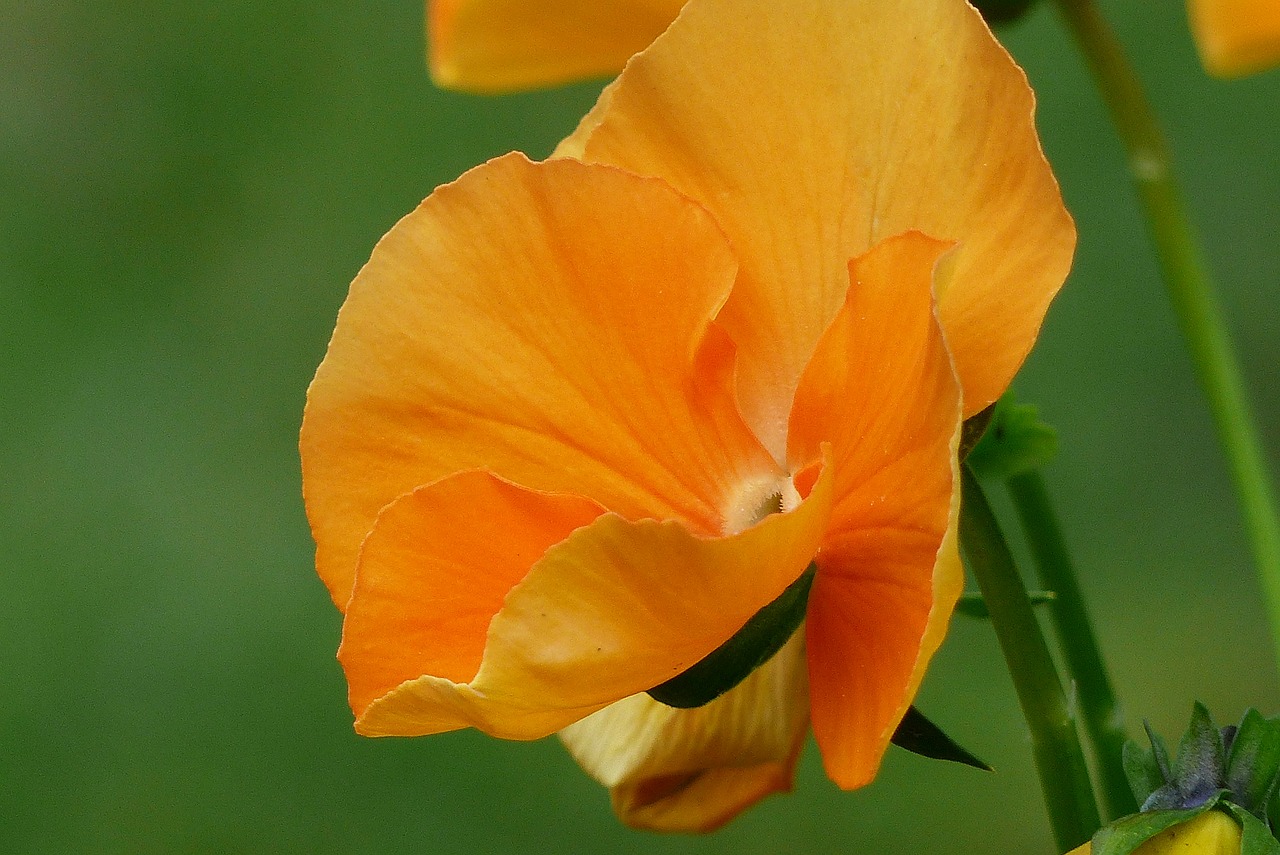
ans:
(758, 499)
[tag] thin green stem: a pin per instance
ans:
(1190, 289)
(1064, 775)
(1103, 719)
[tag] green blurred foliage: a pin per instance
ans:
(187, 190)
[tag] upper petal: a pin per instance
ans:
(446, 630)
(880, 392)
(500, 45)
(825, 126)
(1236, 37)
(695, 769)
(550, 322)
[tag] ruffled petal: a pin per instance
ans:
(1236, 37)
(615, 608)
(821, 129)
(881, 391)
(693, 770)
(549, 322)
(503, 45)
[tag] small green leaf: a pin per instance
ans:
(972, 605)
(1253, 762)
(1141, 769)
(1129, 832)
(749, 648)
(1015, 442)
(920, 736)
(1255, 838)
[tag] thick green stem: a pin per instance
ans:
(1190, 289)
(1064, 775)
(1101, 713)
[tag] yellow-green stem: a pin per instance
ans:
(1190, 289)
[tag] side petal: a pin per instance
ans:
(504, 45)
(1236, 37)
(881, 391)
(821, 129)
(694, 770)
(544, 321)
(613, 609)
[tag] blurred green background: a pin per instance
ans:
(186, 188)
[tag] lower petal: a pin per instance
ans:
(696, 769)
(613, 609)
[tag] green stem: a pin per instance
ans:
(1190, 289)
(1064, 775)
(1101, 713)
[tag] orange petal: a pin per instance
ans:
(881, 391)
(545, 321)
(501, 45)
(421, 606)
(824, 127)
(696, 769)
(1236, 37)
(614, 609)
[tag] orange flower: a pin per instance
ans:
(499, 45)
(1236, 37)
(581, 419)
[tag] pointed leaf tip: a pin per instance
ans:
(919, 735)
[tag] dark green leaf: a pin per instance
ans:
(972, 605)
(1253, 762)
(1003, 11)
(1256, 838)
(1128, 833)
(753, 645)
(973, 429)
(1015, 442)
(920, 736)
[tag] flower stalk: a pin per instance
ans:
(1064, 775)
(1190, 288)
(1099, 710)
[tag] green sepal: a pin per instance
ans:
(1129, 832)
(1015, 442)
(1253, 762)
(1197, 771)
(1142, 770)
(750, 647)
(1159, 752)
(1255, 837)
(972, 605)
(919, 735)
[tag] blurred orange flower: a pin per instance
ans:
(1236, 37)
(501, 45)
(1213, 832)
(581, 419)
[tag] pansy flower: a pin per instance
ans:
(1236, 37)
(582, 419)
